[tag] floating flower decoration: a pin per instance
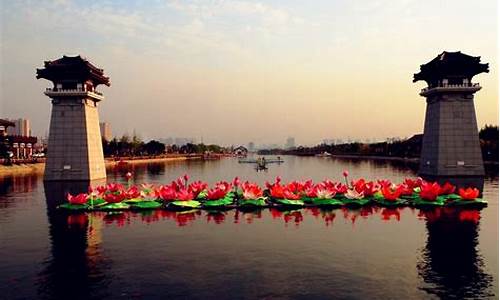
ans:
(353, 194)
(251, 191)
(219, 191)
(430, 191)
(447, 189)
(468, 193)
(79, 199)
(391, 193)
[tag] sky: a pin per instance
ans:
(232, 72)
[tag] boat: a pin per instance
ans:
(324, 154)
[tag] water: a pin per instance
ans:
(304, 254)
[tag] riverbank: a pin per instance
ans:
(39, 167)
(393, 158)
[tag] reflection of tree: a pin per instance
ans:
(74, 269)
(450, 265)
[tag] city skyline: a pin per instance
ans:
(238, 71)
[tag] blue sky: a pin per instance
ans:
(235, 71)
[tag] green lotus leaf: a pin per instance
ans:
(219, 202)
(475, 202)
(145, 205)
(115, 206)
(422, 202)
(307, 199)
(134, 200)
(260, 202)
(290, 202)
(202, 195)
(186, 204)
(96, 202)
(70, 206)
(453, 197)
(355, 202)
(326, 202)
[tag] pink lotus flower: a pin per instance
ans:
(353, 194)
(251, 190)
(78, 199)
(132, 193)
(184, 195)
(197, 187)
(219, 191)
(114, 197)
(167, 192)
(324, 192)
(341, 188)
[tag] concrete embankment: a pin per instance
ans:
(38, 167)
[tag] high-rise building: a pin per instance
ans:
(251, 146)
(105, 131)
(290, 143)
(22, 127)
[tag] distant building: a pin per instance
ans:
(18, 142)
(251, 146)
(290, 143)
(22, 127)
(183, 141)
(240, 151)
(105, 131)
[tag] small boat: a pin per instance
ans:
(324, 154)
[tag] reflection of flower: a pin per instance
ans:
(388, 213)
(469, 216)
(468, 193)
(77, 220)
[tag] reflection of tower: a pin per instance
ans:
(75, 266)
(450, 266)
(75, 145)
(450, 146)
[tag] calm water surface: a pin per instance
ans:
(303, 254)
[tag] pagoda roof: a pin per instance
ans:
(451, 64)
(7, 123)
(72, 68)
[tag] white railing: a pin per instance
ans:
(451, 86)
(70, 91)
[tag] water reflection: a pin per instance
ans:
(76, 267)
(450, 265)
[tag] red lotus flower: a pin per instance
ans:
(447, 189)
(167, 192)
(197, 187)
(287, 194)
(101, 189)
(429, 191)
(184, 195)
(384, 182)
(78, 199)
(236, 182)
(367, 188)
(406, 189)
(468, 193)
(219, 191)
(341, 188)
(251, 190)
(114, 187)
(410, 183)
(132, 193)
(277, 191)
(114, 197)
(391, 194)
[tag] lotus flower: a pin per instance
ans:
(429, 191)
(132, 193)
(341, 188)
(277, 191)
(101, 189)
(367, 188)
(410, 183)
(197, 187)
(236, 182)
(114, 187)
(353, 194)
(219, 191)
(167, 192)
(384, 182)
(324, 191)
(468, 193)
(114, 197)
(447, 189)
(390, 193)
(251, 190)
(406, 189)
(288, 194)
(184, 195)
(78, 199)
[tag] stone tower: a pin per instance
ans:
(74, 146)
(450, 147)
